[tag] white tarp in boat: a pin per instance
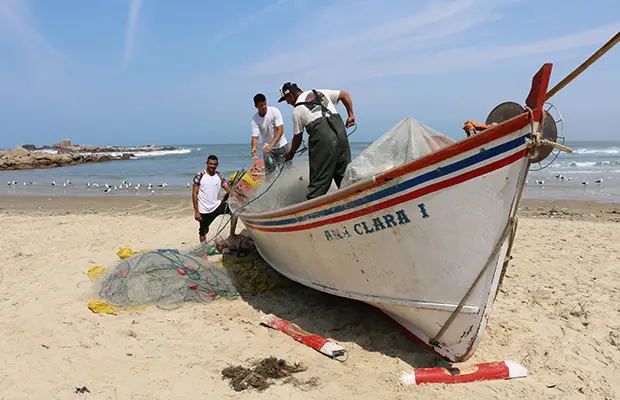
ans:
(404, 142)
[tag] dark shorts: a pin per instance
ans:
(207, 219)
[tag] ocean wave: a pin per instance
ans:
(608, 150)
(582, 164)
(160, 153)
(136, 154)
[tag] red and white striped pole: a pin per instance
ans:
(317, 342)
(478, 372)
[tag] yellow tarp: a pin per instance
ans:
(97, 272)
(126, 252)
(247, 178)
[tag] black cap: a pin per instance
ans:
(286, 89)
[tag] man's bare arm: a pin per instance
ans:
(195, 202)
(348, 104)
(278, 136)
(294, 146)
(254, 146)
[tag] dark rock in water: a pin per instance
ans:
(30, 157)
(29, 147)
(21, 158)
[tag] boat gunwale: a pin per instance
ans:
(469, 143)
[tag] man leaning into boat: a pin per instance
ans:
(329, 151)
(267, 123)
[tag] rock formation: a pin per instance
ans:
(29, 156)
(20, 158)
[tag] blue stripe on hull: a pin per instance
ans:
(418, 180)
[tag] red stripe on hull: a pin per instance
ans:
(489, 135)
(398, 200)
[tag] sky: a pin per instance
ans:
(134, 72)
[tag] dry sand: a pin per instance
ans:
(558, 313)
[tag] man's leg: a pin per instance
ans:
(203, 228)
(322, 152)
(344, 150)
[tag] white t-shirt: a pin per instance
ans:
(209, 190)
(266, 126)
(304, 114)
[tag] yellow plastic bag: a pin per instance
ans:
(247, 178)
(96, 273)
(126, 252)
(101, 307)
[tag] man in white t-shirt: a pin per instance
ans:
(267, 122)
(328, 144)
(205, 197)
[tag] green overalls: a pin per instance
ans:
(328, 150)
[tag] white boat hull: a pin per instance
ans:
(425, 244)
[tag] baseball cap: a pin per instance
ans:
(286, 89)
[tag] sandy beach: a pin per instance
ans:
(557, 313)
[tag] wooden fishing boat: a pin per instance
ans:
(425, 242)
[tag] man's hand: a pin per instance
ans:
(350, 121)
(254, 156)
(267, 148)
(288, 157)
(198, 217)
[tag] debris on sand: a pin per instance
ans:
(261, 375)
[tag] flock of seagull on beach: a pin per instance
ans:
(584, 183)
(105, 187)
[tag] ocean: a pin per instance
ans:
(563, 179)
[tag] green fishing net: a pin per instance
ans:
(169, 277)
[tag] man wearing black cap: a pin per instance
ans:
(328, 145)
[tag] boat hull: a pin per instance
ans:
(425, 243)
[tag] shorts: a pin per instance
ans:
(207, 219)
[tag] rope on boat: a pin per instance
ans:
(240, 174)
(498, 245)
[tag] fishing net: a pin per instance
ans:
(286, 187)
(165, 277)
(404, 142)
(169, 277)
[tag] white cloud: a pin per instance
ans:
(131, 30)
(434, 39)
(35, 71)
(17, 29)
(249, 20)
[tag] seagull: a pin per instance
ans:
(53, 183)
(542, 182)
(584, 183)
(107, 190)
(599, 181)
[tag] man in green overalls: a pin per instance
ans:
(328, 145)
